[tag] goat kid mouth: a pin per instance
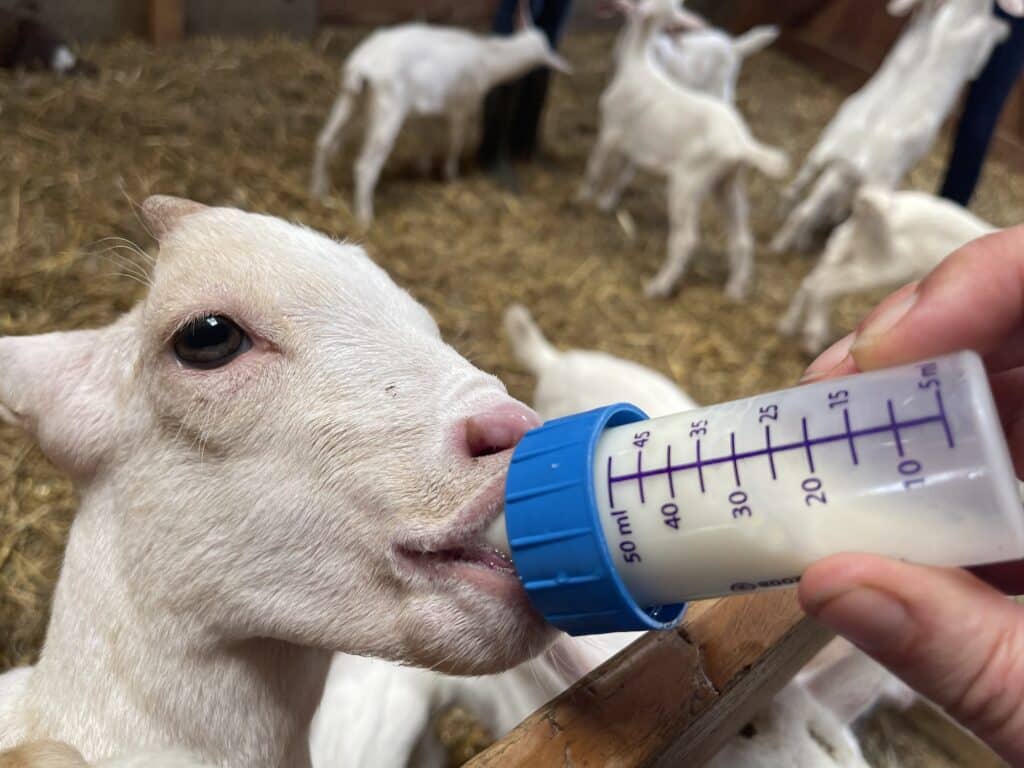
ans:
(461, 552)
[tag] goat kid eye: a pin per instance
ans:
(210, 342)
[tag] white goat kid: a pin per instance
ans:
(707, 60)
(55, 754)
(698, 142)
(710, 60)
(891, 238)
(885, 129)
(278, 458)
(578, 380)
(419, 69)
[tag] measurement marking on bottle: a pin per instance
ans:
(895, 428)
(945, 421)
(807, 445)
(668, 463)
(848, 435)
(700, 470)
(640, 474)
(735, 463)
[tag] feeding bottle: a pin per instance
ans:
(614, 520)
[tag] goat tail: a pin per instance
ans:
(755, 40)
(770, 161)
(528, 342)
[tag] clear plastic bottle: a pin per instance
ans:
(908, 462)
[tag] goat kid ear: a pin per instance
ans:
(558, 62)
(62, 389)
(1013, 7)
(901, 7)
(609, 8)
(685, 21)
(163, 213)
(524, 16)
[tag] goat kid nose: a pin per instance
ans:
(498, 429)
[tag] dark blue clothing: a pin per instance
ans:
(512, 111)
(548, 15)
(984, 103)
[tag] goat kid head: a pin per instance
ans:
(525, 28)
(284, 447)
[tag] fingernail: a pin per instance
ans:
(830, 359)
(885, 319)
(869, 618)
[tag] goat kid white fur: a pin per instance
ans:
(882, 131)
(55, 754)
(419, 69)
(697, 141)
(321, 489)
(706, 60)
(890, 239)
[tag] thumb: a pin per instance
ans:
(947, 634)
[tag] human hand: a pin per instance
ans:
(944, 631)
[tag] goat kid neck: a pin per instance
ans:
(117, 674)
(509, 57)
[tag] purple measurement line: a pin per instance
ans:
(640, 474)
(700, 468)
(611, 498)
(895, 428)
(849, 436)
(735, 464)
(807, 445)
(945, 421)
(668, 463)
(768, 448)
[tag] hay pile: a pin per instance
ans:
(234, 123)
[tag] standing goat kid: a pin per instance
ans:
(418, 69)
(697, 141)
(278, 458)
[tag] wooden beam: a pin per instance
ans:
(165, 21)
(671, 698)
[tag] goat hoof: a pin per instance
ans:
(813, 345)
(737, 292)
(658, 289)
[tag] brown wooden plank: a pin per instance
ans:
(673, 697)
(166, 21)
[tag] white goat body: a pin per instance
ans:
(709, 60)
(882, 131)
(891, 238)
(420, 69)
(697, 141)
(706, 60)
(55, 754)
(278, 458)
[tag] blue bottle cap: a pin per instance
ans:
(555, 534)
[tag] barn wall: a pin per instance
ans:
(472, 12)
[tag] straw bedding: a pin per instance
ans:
(234, 123)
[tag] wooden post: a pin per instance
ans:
(672, 698)
(165, 21)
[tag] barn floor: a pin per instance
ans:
(234, 123)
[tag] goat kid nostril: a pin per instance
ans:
(498, 429)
